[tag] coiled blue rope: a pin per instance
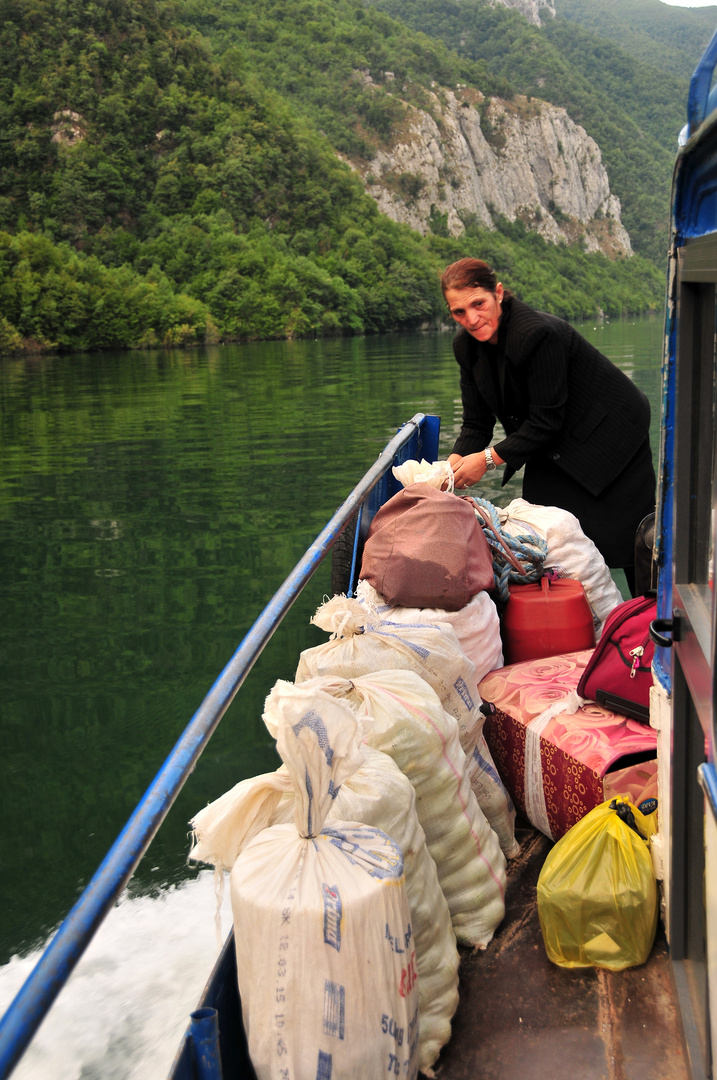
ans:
(515, 558)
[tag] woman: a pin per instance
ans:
(578, 424)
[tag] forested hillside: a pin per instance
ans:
(634, 112)
(168, 174)
(666, 37)
(130, 141)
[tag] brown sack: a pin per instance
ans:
(425, 548)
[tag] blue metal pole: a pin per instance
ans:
(56, 964)
(204, 1033)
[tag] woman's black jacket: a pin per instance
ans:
(554, 394)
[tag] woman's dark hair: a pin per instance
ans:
(470, 274)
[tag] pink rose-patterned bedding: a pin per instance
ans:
(584, 755)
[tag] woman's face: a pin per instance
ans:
(477, 311)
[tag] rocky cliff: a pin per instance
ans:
(531, 8)
(464, 157)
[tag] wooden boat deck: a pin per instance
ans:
(520, 1017)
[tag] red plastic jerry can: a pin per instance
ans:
(546, 619)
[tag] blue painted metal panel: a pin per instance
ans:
(694, 213)
(422, 444)
(694, 195)
(662, 663)
(700, 101)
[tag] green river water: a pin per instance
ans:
(150, 505)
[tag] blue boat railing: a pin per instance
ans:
(416, 439)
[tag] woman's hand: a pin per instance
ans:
(467, 470)
(470, 469)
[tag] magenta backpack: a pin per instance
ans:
(618, 675)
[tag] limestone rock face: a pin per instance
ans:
(530, 8)
(68, 127)
(465, 157)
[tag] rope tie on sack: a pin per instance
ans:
(515, 558)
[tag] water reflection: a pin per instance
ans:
(150, 504)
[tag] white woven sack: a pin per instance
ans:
(377, 794)
(362, 642)
(325, 953)
(405, 719)
(221, 830)
(571, 553)
(477, 628)
(477, 625)
(492, 795)
(437, 474)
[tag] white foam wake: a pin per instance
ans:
(124, 1010)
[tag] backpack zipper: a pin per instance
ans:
(636, 655)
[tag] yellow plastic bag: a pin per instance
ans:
(597, 894)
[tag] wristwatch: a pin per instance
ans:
(489, 463)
